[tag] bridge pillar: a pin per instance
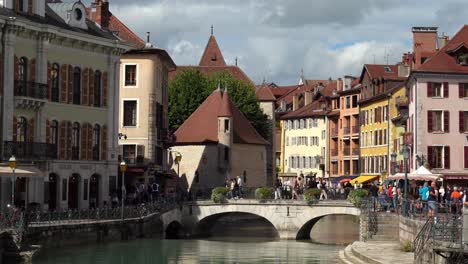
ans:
(287, 234)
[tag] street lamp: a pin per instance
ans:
(12, 163)
(123, 168)
(406, 153)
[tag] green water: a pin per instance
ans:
(236, 243)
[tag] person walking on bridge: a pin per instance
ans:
(278, 186)
(240, 184)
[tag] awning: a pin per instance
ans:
(364, 179)
(421, 174)
(6, 171)
(338, 179)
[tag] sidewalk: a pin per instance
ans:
(375, 252)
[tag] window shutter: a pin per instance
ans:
(15, 127)
(91, 87)
(84, 95)
(447, 157)
(49, 81)
(47, 131)
(446, 90)
(30, 133)
(104, 89)
(429, 156)
(446, 121)
(70, 84)
(466, 157)
(461, 90)
(64, 84)
(32, 70)
(429, 121)
(90, 141)
(62, 141)
(69, 139)
(104, 143)
(395, 145)
(461, 121)
(84, 141)
(429, 89)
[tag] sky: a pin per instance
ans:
(276, 39)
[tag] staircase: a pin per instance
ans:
(387, 227)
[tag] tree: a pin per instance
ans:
(190, 88)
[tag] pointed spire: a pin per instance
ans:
(226, 107)
(212, 55)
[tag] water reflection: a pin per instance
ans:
(336, 229)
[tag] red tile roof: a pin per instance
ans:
(226, 106)
(312, 109)
(264, 93)
(442, 61)
(212, 55)
(202, 126)
(327, 91)
(282, 90)
(209, 70)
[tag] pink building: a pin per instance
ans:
(438, 108)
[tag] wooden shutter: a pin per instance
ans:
(461, 121)
(104, 143)
(429, 89)
(430, 159)
(47, 131)
(30, 130)
(70, 84)
(69, 139)
(447, 157)
(15, 128)
(84, 141)
(32, 70)
(104, 89)
(91, 87)
(429, 121)
(64, 84)
(49, 81)
(84, 95)
(395, 145)
(446, 121)
(465, 157)
(461, 90)
(446, 90)
(63, 140)
(90, 141)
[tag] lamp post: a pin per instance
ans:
(406, 153)
(12, 163)
(123, 168)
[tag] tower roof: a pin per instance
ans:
(202, 126)
(212, 55)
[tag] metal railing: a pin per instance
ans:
(369, 208)
(31, 89)
(422, 240)
(346, 150)
(29, 150)
(346, 130)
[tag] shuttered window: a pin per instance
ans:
(76, 86)
(130, 113)
(97, 89)
(465, 157)
(463, 121)
(130, 75)
(54, 82)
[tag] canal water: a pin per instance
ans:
(228, 241)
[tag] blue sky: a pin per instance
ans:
(275, 39)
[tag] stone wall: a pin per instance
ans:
(409, 229)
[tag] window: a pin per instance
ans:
(348, 102)
(226, 153)
(55, 82)
(77, 86)
(463, 90)
(97, 89)
(436, 118)
(23, 69)
(226, 125)
(354, 101)
(76, 141)
(85, 189)
(21, 129)
(465, 157)
(436, 158)
(64, 189)
(130, 75)
(54, 130)
(130, 113)
(385, 136)
(129, 153)
(96, 141)
(436, 89)
(463, 122)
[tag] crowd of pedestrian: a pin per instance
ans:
(137, 194)
(293, 188)
(234, 186)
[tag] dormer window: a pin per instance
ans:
(387, 69)
(78, 14)
(463, 59)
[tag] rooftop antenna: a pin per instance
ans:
(211, 29)
(148, 34)
(236, 60)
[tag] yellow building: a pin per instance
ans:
(398, 115)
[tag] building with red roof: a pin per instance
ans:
(438, 108)
(217, 143)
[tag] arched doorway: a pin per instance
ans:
(73, 191)
(94, 191)
(53, 180)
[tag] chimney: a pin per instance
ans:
(295, 102)
(102, 14)
(148, 44)
(443, 41)
(307, 98)
(424, 40)
(403, 70)
(339, 84)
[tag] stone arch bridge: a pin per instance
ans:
(291, 219)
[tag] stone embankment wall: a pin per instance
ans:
(409, 228)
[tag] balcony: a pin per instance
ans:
(334, 132)
(29, 151)
(355, 151)
(402, 102)
(346, 150)
(355, 129)
(334, 152)
(346, 131)
(31, 90)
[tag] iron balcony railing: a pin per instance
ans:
(31, 89)
(355, 129)
(334, 152)
(334, 132)
(29, 150)
(346, 151)
(356, 150)
(346, 130)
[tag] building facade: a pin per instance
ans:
(58, 90)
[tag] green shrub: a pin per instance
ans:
(312, 195)
(355, 196)
(218, 194)
(264, 193)
(406, 246)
